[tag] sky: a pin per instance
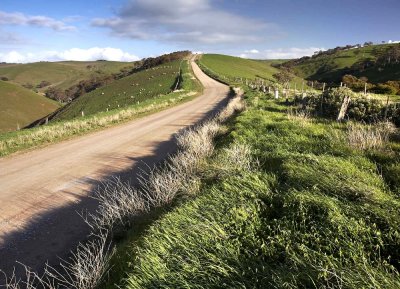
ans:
(128, 30)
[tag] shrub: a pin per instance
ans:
(43, 83)
(385, 89)
(368, 110)
(329, 104)
(28, 85)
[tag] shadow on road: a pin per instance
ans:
(54, 233)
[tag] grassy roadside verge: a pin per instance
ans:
(59, 131)
(286, 201)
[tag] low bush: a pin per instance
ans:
(360, 108)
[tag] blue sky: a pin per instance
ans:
(34, 30)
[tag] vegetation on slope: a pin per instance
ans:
(61, 75)
(378, 63)
(288, 201)
(19, 106)
(102, 79)
(126, 91)
(235, 70)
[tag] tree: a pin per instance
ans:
(385, 89)
(56, 94)
(356, 84)
(43, 83)
(284, 76)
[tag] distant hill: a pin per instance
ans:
(128, 90)
(378, 63)
(19, 106)
(58, 74)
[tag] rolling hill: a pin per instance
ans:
(231, 67)
(19, 106)
(145, 84)
(59, 74)
(331, 67)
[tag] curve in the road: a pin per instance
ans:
(40, 191)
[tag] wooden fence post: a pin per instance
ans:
(343, 109)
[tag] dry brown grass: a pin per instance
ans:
(365, 137)
(299, 116)
(85, 269)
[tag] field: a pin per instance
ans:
(60, 130)
(124, 92)
(287, 201)
(19, 106)
(230, 68)
(331, 68)
(60, 74)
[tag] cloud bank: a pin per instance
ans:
(280, 53)
(91, 54)
(185, 22)
(29, 20)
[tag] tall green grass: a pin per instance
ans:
(310, 211)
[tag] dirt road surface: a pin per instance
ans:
(42, 191)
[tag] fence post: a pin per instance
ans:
(343, 109)
(276, 93)
(387, 107)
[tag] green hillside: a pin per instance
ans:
(60, 74)
(129, 90)
(19, 106)
(231, 68)
(356, 61)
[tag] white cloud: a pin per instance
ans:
(185, 21)
(280, 53)
(78, 54)
(252, 51)
(38, 20)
